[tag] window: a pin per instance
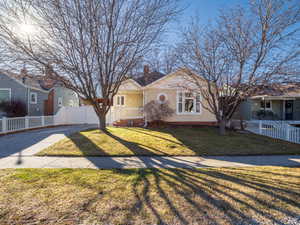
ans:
(120, 100)
(162, 98)
(266, 105)
(60, 101)
(33, 98)
(5, 94)
(188, 103)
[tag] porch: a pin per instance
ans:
(276, 109)
(127, 109)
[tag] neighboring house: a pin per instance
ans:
(274, 102)
(40, 95)
(134, 94)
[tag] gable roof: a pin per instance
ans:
(179, 70)
(41, 83)
(145, 79)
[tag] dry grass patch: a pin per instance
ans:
(167, 141)
(261, 195)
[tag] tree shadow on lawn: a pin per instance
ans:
(223, 200)
(205, 141)
(182, 196)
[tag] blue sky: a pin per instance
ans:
(204, 9)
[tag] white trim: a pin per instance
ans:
(30, 98)
(117, 96)
(264, 108)
(133, 81)
(194, 102)
(180, 70)
(162, 78)
(160, 94)
(7, 89)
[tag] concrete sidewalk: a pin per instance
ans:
(147, 162)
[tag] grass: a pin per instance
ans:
(167, 141)
(254, 195)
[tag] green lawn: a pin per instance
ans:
(255, 195)
(167, 141)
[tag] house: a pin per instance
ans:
(41, 96)
(272, 102)
(134, 94)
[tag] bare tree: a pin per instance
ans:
(243, 49)
(162, 59)
(89, 45)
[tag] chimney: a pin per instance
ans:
(146, 69)
(146, 73)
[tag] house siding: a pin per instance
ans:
(18, 91)
(38, 108)
(297, 109)
(205, 116)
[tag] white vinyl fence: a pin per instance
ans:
(275, 129)
(65, 116)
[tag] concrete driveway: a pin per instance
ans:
(30, 142)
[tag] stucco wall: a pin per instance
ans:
(204, 116)
(133, 104)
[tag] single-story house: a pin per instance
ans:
(272, 102)
(42, 96)
(135, 93)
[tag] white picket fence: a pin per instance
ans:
(275, 129)
(8, 125)
(65, 116)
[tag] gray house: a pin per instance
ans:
(276, 102)
(40, 95)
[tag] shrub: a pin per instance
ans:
(156, 111)
(15, 108)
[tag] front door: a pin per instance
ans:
(289, 109)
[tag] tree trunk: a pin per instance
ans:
(102, 122)
(222, 127)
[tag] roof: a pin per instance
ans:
(37, 82)
(278, 90)
(145, 79)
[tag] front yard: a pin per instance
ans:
(181, 141)
(254, 195)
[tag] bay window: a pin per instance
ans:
(188, 103)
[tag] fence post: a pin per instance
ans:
(260, 127)
(26, 122)
(287, 130)
(4, 124)
(43, 121)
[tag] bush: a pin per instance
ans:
(15, 108)
(156, 111)
(266, 114)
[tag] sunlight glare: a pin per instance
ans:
(27, 29)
